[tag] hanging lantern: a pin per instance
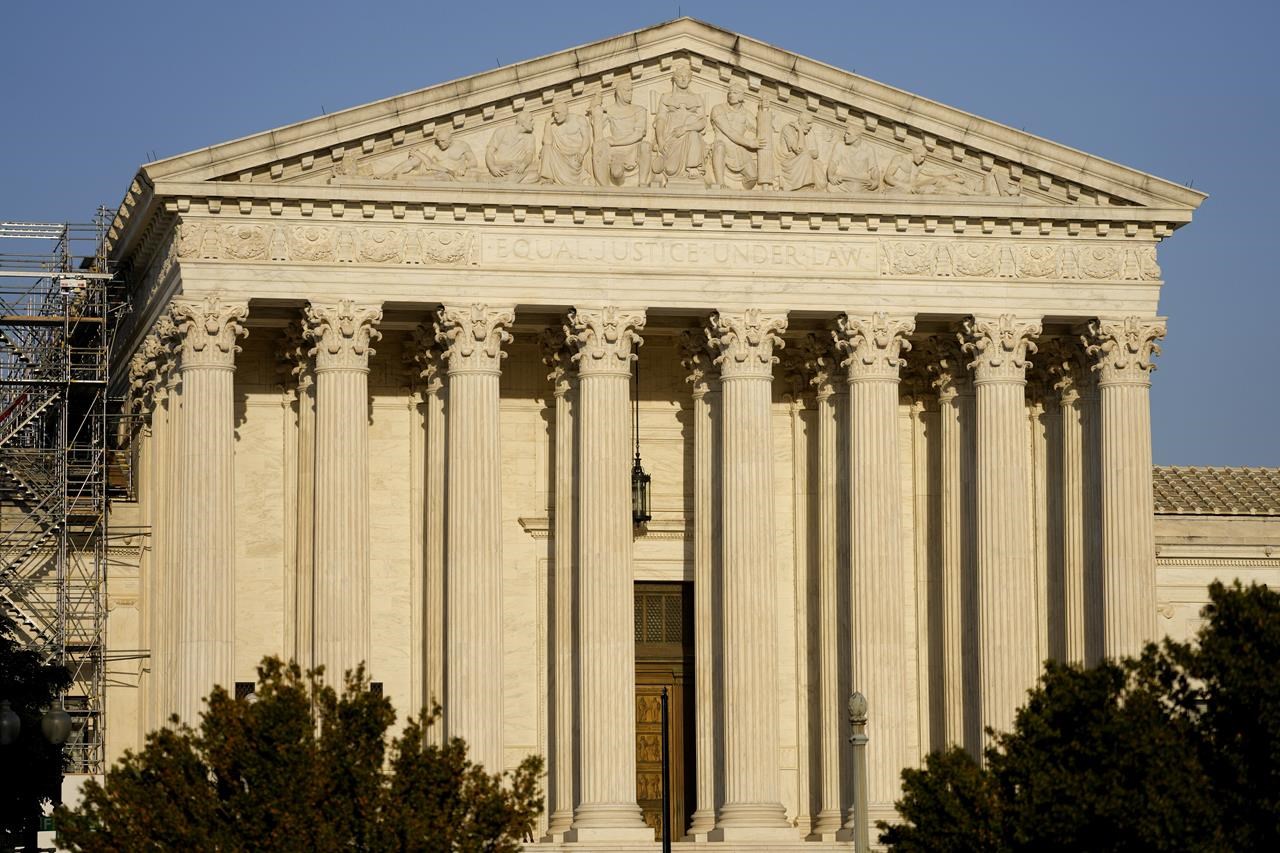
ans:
(639, 493)
(639, 479)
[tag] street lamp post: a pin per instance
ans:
(858, 722)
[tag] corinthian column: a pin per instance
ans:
(955, 437)
(607, 809)
(1065, 368)
(472, 337)
(1008, 664)
(341, 333)
(745, 342)
(557, 356)
(874, 345)
(1122, 351)
(203, 547)
(697, 361)
(428, 381)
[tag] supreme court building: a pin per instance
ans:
(887, 364)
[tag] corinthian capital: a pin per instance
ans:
(943, 362)
(745, 341)
(472, 336)
(999, 346)
(342, 333)
(423, 361)
(604, 338)
(207, 330)
(294, 356)
(874, 344)
(696, 360)
(558, 357)
(1122, 349)
(1065, 368)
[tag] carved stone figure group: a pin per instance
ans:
(611, 146)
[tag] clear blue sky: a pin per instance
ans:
(1184, 90)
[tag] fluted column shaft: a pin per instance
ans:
(341, 334)
(1122, 350)
(1092, 520)
(556, 355)
(697, 361)
(752, 809)
(1005, 551)
(295, 354)
(607, 810)
(203, 548)
(873, 345)
(473, 336)
(170, 518)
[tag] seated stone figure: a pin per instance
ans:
(619, 148)
(566, 142)
(853, 166)
(798, 152)
(509, 156)
(678, 149)
(736, 143)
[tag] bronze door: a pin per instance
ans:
(664, 658)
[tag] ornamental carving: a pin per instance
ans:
(472, 336)
(1122, 350)
(744, 342)
(999, 346)
(696, 360)
(208, 329)
(558, 357)
(604, 339)
(342, 334)
(327, 244)
(873, 345)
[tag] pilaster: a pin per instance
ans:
(745, 342)
(873, 346)
(604, 339)
(341, 334)
(472, 337)
(1122, 352)
(1008, 664)
(203, 545)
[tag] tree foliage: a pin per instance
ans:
(303, 768)
(32, 767)
(1178, 749)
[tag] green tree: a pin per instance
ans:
(1178, 749)
(32, 774)
(303, 768)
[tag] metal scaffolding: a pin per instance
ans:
(57, 307)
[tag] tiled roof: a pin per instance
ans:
(1217, 491)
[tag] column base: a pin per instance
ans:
(701, 823)
(758, 834)
(826, 826)
(557, 825)
(596, 822)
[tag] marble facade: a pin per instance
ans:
(894, 401)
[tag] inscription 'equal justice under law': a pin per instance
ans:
(856, 257)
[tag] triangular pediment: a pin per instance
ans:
(819, 130)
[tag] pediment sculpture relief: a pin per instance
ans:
(704, 135)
